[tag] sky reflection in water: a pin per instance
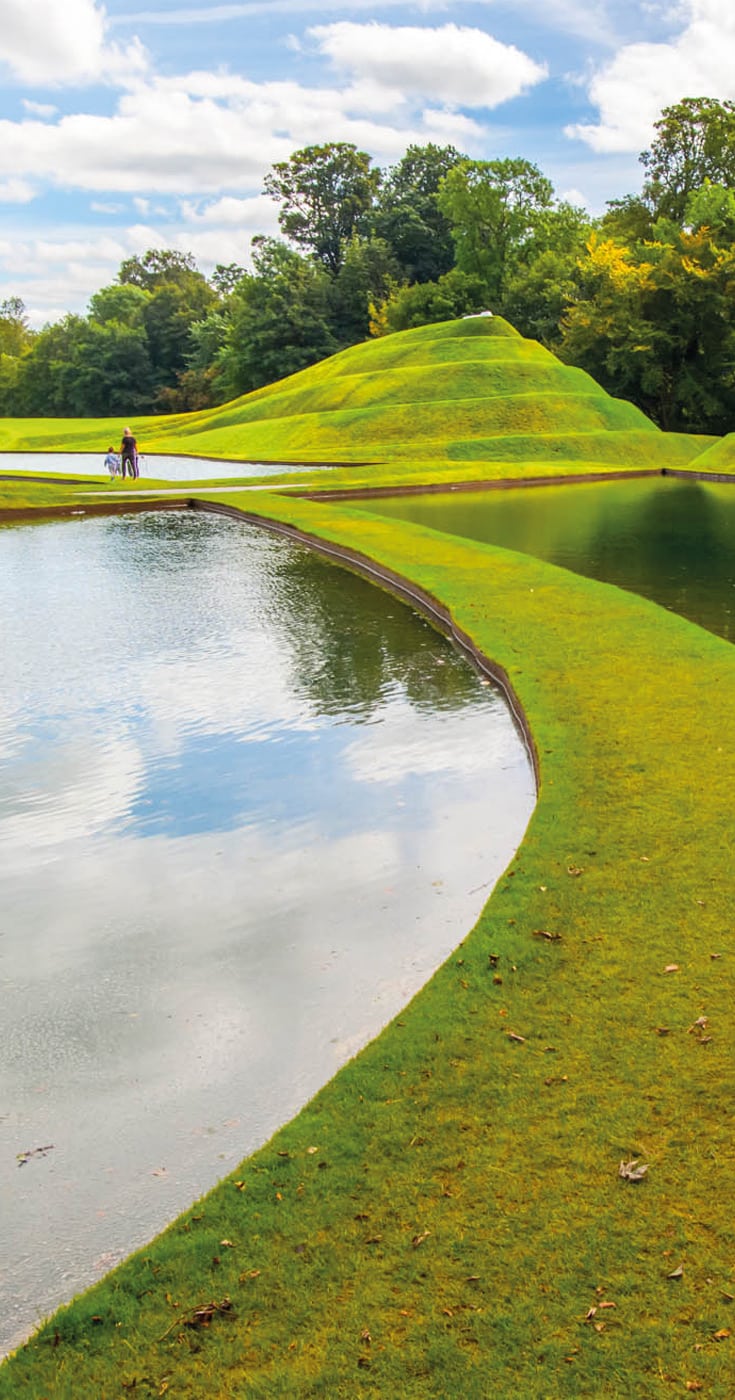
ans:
(247, 804)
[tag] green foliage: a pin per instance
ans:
(493, 207)
(454, 294)
(15, 334)
(655, 324)
(122, 302)
(325, 192)
(368, 274)
(279, 319)
(408, 216)
(157, 266)
(694, 142)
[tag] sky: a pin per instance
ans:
(125, 127)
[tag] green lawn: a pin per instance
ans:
(446, 1218)
(464, 390)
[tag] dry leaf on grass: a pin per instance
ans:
(631, 1171)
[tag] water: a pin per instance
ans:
(154, 466)
(248, 803)
(671, 540)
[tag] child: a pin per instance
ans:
(112, 463)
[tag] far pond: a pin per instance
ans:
(668, 539)
(248, 803)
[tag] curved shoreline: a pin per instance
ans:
(463, 1202)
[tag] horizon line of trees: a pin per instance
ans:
(643, 297)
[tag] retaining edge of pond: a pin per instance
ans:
(506, 483)
(435, 611)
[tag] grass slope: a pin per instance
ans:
(468, 390)
(446, 1217)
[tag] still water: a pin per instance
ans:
(668, 539)
(248, 803)
(154, 466)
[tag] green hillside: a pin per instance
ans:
(462, 391)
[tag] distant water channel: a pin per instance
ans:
(153, 466)
(248, 803)
(669, 539)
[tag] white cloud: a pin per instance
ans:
(211, 132)
(16, 191)
(47, 42)
(453, 64)
(631, 91)
(39, 109)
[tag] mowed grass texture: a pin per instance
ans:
(468, 390)
(446, 1218)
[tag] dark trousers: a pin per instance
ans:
(131, 465)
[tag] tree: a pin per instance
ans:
(156, 266)
(225, 278)
(280, 319)
(15, 333)
(694, 142)
(492, 206)
(455, 294)
(656, 324)
(121, 303)
(368, 275)
(326, 193)
(408, 217)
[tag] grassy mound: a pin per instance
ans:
(718, 456)
(463, 390)
(447, 1217)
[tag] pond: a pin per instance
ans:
(248, 803)
(153, 466)
(669, 539)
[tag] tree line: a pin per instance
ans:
(642, 297)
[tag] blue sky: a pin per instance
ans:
(128, 126)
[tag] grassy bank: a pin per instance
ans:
(461, 392)
(446, 1217)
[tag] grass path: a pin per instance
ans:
(446, 1217)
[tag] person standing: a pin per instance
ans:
(129, 453)
(112, 463)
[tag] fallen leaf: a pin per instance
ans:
(715, 956)
(365, 1336)
(547, 934)
(671, 967)
(519, 1039)
(589, 1315)
(575, 869)
(608, 1305)
(663, 1030)
(677, 1273)
(693, 1385)
(419, 1239)
(227, 1244)
(630, 1171)
(698, 1025)
(160, 1171)
(311, 1151)
(723, 1333)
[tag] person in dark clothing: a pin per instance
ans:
(129, 453)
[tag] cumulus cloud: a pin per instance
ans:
(39, 109)
(454, 64)
(46, 42)
(641, 79)
(207, 132)
(15, 191)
